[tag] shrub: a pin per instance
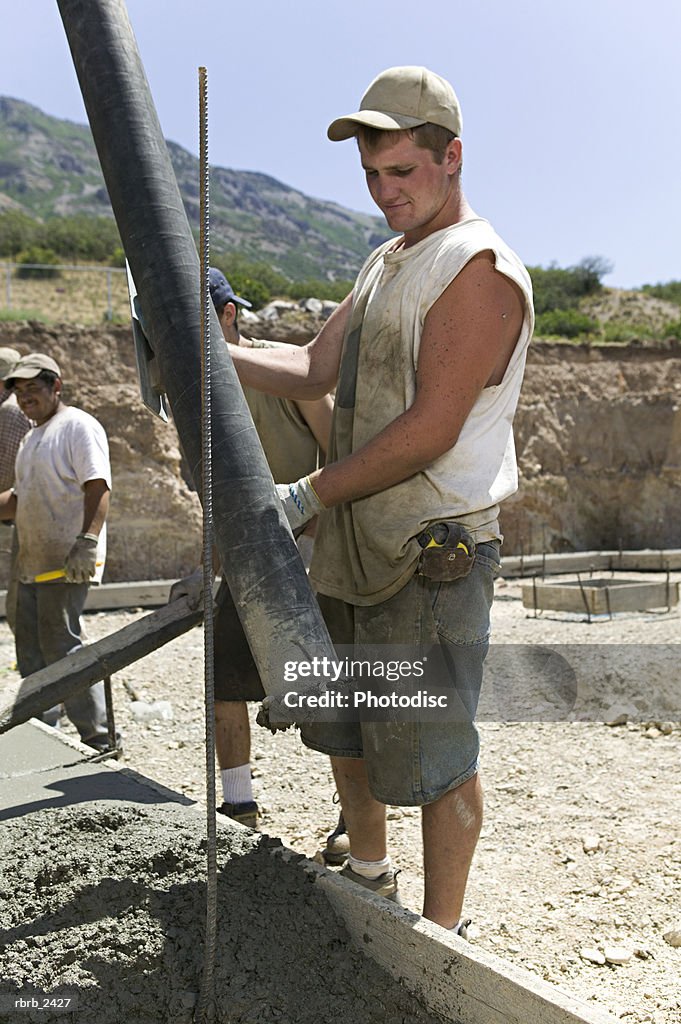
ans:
(37, 254)
(237, 267)
(621, 332)
(671, 291)
(257, 293)
(18, 231)
(564, 323)
(558, 288)
(316, 289)
(81, 237)
(672, 329)
(117, 258)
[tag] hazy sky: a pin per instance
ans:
(571, 110)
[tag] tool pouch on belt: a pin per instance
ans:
(448, 552)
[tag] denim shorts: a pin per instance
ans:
(414, 762)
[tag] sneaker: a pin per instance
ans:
(337, 847)
(385, 885)
(246, 814)
(462, 929)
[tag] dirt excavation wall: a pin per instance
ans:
(598, 433)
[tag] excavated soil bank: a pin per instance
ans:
(598, 434)
(102, 901)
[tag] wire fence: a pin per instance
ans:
(63, 293)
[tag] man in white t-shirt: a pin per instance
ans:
(59, 504)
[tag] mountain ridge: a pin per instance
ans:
(49, 167)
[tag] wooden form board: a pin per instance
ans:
(89, 664)
(453, 978)
(109, 596)
(598, 561)
(600, 596)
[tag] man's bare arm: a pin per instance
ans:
(95, 505)
(8, 505)
(303, 373)
(318, 415)
(468, 338)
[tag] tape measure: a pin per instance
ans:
(56, 574)
(432, 543)
(45, 577)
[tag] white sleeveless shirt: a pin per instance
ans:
(365, 550)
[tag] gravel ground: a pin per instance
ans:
(579, 858)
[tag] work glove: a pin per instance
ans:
(81, 561)
(301, 503)
(190, 587)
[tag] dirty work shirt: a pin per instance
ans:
(365, 551)
(290, 447)
(13, 426)
(54, 462)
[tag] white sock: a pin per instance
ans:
(369, 868)
(237, 787)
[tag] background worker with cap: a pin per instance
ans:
(294, 436)
(13, 426)
(13, 423)
(59, 504)
(428, 355)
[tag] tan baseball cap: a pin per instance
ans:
(31, 365)
(9, 357)
(402, 97)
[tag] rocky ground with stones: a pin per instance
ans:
(578, 872)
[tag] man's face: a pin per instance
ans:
(36, 399)
(413, 192)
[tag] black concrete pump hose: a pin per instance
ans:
(259, 557)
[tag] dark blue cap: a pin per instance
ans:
(221, 290)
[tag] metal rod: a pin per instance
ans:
(584, 598)
(607, 602)
(110, 721)
(206, 1003)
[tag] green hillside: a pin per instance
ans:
(49, 167)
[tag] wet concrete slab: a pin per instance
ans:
(103, 900)
(40, 769)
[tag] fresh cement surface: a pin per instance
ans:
(103, 902)
(580, 850)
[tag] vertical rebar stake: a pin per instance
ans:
(205, 1010)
